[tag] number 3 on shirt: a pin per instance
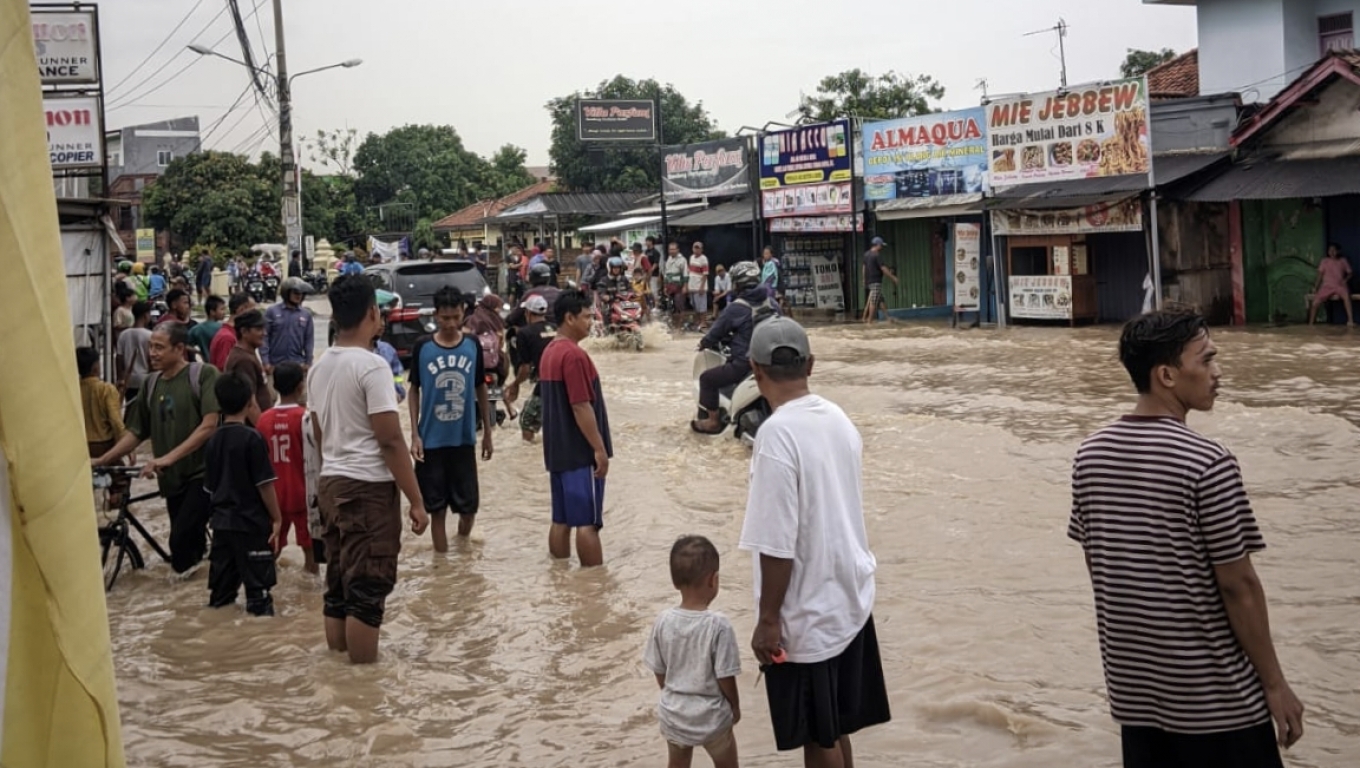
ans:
(281, 445)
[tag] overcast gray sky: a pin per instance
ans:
(487, 68)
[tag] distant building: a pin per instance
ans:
(1175, 79)
(137, 156)
(1257, 47)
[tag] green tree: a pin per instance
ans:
(855, 93)
(579, 166)
(426, 165)
(507, 170)
(218, 198)
(1137, 63)
(424, 236)
(334, 149)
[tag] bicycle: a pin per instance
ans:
(116, 544)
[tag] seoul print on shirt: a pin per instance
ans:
(447, 378)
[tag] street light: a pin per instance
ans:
(292, 203)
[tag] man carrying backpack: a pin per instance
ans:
(177, 410)
(733, 328)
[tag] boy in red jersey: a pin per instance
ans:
(282, 430)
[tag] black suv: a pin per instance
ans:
(411, 315)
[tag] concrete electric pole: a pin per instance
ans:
(292, 203)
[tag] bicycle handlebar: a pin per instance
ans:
(132, 471)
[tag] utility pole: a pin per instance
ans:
(292, 205)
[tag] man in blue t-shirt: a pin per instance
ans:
(576, 444)
(448, 397)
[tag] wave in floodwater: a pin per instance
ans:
(495, 655)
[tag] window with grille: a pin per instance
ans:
(1336, 33)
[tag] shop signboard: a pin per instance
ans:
(938, 154)
(615, 120)
(826, 280)
(806, 200)
(1041, 297)
(839, 223)
(75, 136)
(1083, 132)
(146, 245)
(813, 154)
(66, 44)
(710, 169)
(967, 267)
(1118, 216)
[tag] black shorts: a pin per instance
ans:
(819, 703)
(448, 480)
(1253, 747)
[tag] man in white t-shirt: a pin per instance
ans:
(698, 283)
(364, 461)
(814, 573)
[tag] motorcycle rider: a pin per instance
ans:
(290, 332)
(614, 281)
(540, 282)
(733, 328)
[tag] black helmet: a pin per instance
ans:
(744, 274)
(540, 274)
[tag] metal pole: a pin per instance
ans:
(292, 208)
(661, 154)
(996, 277)
(1156, 252)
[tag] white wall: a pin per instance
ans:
(1241, 48)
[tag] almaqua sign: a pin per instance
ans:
(709, 169)
(939, 154)
(66, 43)
(615, 120)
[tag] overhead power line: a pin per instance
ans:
(158, 48)
(172, 59)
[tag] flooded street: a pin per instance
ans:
(493, 655)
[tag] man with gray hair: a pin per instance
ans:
(814, 573)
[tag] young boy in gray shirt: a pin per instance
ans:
(694, 654)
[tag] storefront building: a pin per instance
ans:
(712, 171)
(924, 178)
(809, 204)
(1293, 189)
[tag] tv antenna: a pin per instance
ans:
(981, 85)
(1061, 29)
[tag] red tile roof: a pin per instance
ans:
(1177, 78)
(469, 216)
(1343, 64)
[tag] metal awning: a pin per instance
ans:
(1042, 202)
(737, 212)
(670, 208)
(928, 207)
(619, 225)
(1283, 179)
(1168, 169)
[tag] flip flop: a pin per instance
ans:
(694, 425)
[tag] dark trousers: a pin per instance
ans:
(242, 558)
(714, 379)
(1253, 747)
(189, 510)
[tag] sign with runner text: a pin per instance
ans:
(66, 44)
(967, 267)
(615, 120)
(1086, 131)
(75, 136)
(710, 169)
(938, 154)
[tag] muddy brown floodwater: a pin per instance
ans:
(493, 655)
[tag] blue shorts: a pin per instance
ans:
(577, 498)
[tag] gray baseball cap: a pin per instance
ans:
(536, 304)
(778, 333)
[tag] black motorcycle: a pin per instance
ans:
(271, 288)
(317, 279)
(255, 287)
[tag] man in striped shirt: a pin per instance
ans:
(1168, 532)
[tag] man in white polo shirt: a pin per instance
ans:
(814, 573)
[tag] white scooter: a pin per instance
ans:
(740, 405)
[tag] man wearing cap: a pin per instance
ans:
(814, 573)
(874, 272)
(526, 350)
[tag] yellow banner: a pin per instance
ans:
(60, 709)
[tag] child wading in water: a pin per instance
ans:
(282, 428)
(245, 511)
(694, 654)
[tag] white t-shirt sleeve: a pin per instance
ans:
(726, 653)
(651, 655)
(378, 390)
(771, 526)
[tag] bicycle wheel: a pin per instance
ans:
(113, 545)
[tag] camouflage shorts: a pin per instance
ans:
(531, 418)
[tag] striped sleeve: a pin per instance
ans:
(1076, 524)
(1225, 518)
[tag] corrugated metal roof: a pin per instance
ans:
(473, 215)
(1167, 169)
(574, 204)
(736, 212)
(1282, 179)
